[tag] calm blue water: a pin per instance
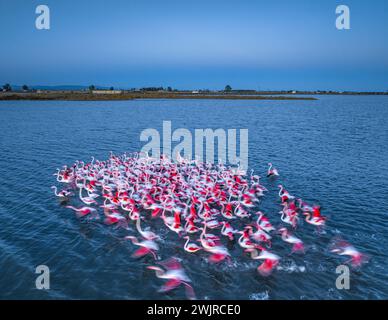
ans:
(332, 152)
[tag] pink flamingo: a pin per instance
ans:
(146, 234)
(190, 227)
(304, 206)
(263, 222)
(82, 211)
(260, 235)
(343, 248)
(244, 241)
(86, 200)
(195, 191)
(289, 238)
(227, 230)
(284, 194)
(115, 217)
(176, 276)
(315, 221)
(271, 260)
(173, 223)
(241, 212)
(211, 244)
(228, 212)
(272, 172)
(62, 193)
(191, 247)
(289, 216)
(147, 247)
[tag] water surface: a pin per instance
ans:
(332, 151)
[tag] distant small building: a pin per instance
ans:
(195, 91)
(106, 91)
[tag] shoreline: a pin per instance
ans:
(122, 95)
(72, 96)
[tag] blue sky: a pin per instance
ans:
(261, 44)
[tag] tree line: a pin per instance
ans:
(7, 88)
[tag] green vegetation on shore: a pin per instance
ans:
(98, 93)
(90, 96)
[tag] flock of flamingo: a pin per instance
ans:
(192, 199)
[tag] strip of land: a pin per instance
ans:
(90, 96)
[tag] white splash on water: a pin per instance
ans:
(259, 296)
(291, 267)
